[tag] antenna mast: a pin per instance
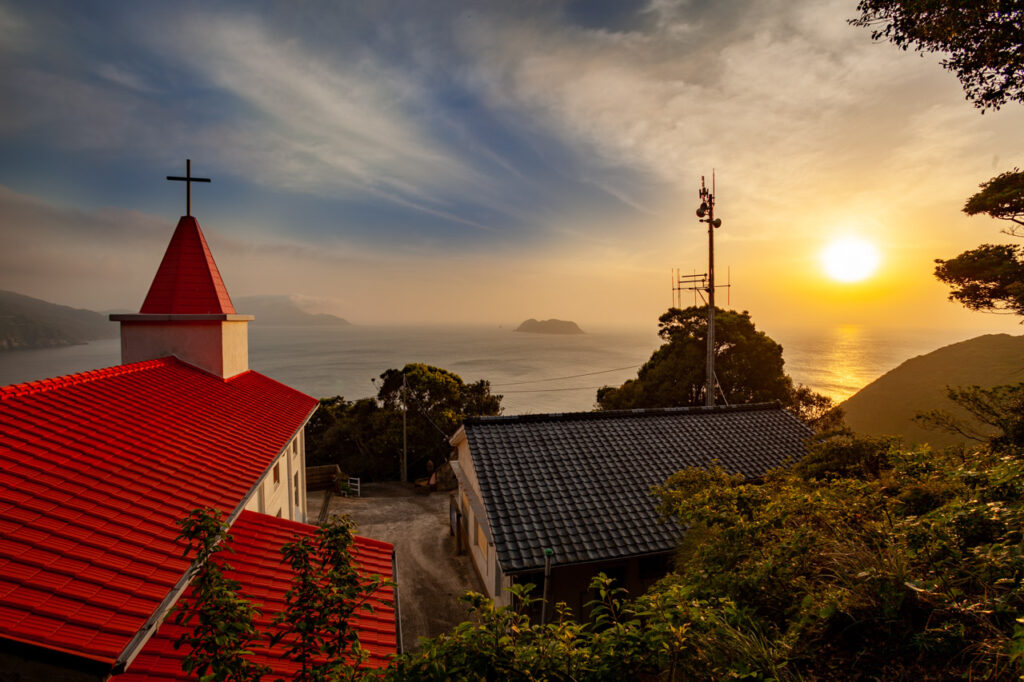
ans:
(706, 214)
(704, 282)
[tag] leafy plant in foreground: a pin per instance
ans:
(223, 634)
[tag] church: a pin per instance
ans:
(97, 468)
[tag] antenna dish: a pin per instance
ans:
(717, 222)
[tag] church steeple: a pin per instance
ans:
(188, 281)
(188, 312)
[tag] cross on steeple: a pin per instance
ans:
(188, 180)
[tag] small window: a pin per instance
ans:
(277, 473)
(278, 513)
(296, 498)
(481, 539)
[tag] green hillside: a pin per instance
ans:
(888, 404)
(27, 322)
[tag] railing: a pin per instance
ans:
(354, 486)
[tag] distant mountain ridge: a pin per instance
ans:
(27, 323)
(282, 310)
(549, 327)
(887, 405)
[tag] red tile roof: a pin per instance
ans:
(187, 281)
(264, 578)
(95, 470)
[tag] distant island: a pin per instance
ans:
(282, 310)
(27, 323)
(549, 327)
(887, 405)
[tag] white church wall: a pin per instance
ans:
(276, 492)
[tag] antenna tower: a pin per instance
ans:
(701, 283)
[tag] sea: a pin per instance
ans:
(534, 372)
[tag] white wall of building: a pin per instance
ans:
(282, 490)
(477, 531)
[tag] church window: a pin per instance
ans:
(296, 497)
(277, 473)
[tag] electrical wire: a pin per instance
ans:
(571, 376)
(552, 390)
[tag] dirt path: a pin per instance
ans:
(431, 578)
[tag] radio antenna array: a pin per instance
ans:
(704, 283)
(697, 283)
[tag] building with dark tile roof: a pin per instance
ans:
(579, 485)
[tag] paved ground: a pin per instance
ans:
(431, 578)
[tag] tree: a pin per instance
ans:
(984, 41)
(989, 278)
(748, 364)
(981, 40)
(436, 401)
(997, 412)
(1002, 198)
(325, 592)
(364, 437)
(223, 631)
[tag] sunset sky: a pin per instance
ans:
(414, 162)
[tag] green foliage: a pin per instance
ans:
(843, 455)
(883, 565)
(365, 437)
(662, 635)
(1001, 197)
(998, 414)
(361, 437)
(219, 646)
(988, 278)
(748, 363)
(325, 592)
(982, 41)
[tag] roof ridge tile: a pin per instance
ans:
(80, 378)
(615, 414)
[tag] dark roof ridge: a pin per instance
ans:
(613, 414)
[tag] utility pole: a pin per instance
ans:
(405, 442)
(706, 214)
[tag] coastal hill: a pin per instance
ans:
(282, 310)
(549, 327)
(888, 404)
(27, 322)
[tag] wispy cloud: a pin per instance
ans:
(390, 147)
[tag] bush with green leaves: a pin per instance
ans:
(889, 565)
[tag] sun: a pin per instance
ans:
(850, 259)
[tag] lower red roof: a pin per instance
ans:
(257, 565)
(95, 471)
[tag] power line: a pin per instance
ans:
(551, 390)
(571, 376)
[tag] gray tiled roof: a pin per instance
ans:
(579, 483)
